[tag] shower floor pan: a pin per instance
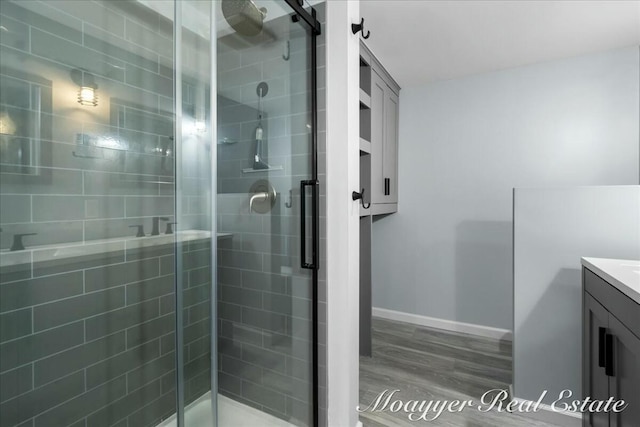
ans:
(230, 414)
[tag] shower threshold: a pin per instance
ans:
(230, 414)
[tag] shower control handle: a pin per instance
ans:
(263, 197)
(260, 197)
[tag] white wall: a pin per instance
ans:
(343, 227)
(464, 144)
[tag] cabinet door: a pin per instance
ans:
(390, 145)
(625, 382)
(378, 98)
(594, 379)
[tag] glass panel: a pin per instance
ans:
(87, 165)
(194, 178)
(263, 154)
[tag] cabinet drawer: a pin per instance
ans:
(621, 306)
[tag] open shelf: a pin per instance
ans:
(365, 76)
(365, 124)
(365, 146)
(365, 133)
(365, 99)
(383, 208)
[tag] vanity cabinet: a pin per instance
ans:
(611, 351)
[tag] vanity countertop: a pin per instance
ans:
(98, 247)
(623, 274)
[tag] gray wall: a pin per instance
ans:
(553, 229)
(464, 144)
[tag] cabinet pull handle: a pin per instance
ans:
(387, 186)
(608, 368)
(602, 332)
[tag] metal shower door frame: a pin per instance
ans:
(315, 29)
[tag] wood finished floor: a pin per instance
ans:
(431, 364)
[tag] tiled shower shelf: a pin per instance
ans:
(98, 248)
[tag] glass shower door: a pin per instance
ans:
(266, 207)
(194, 254)
(105, 144)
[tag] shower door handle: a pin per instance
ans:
(314, 224)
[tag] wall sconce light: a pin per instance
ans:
(87, 94)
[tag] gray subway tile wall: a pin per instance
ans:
(65, 193)
(89, 340)
(81, 345)
(110, 318)
(264, 298)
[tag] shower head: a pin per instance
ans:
(244, 16)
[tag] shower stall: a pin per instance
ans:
(160, 213)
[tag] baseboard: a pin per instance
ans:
(548, 415)
(447, 325)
